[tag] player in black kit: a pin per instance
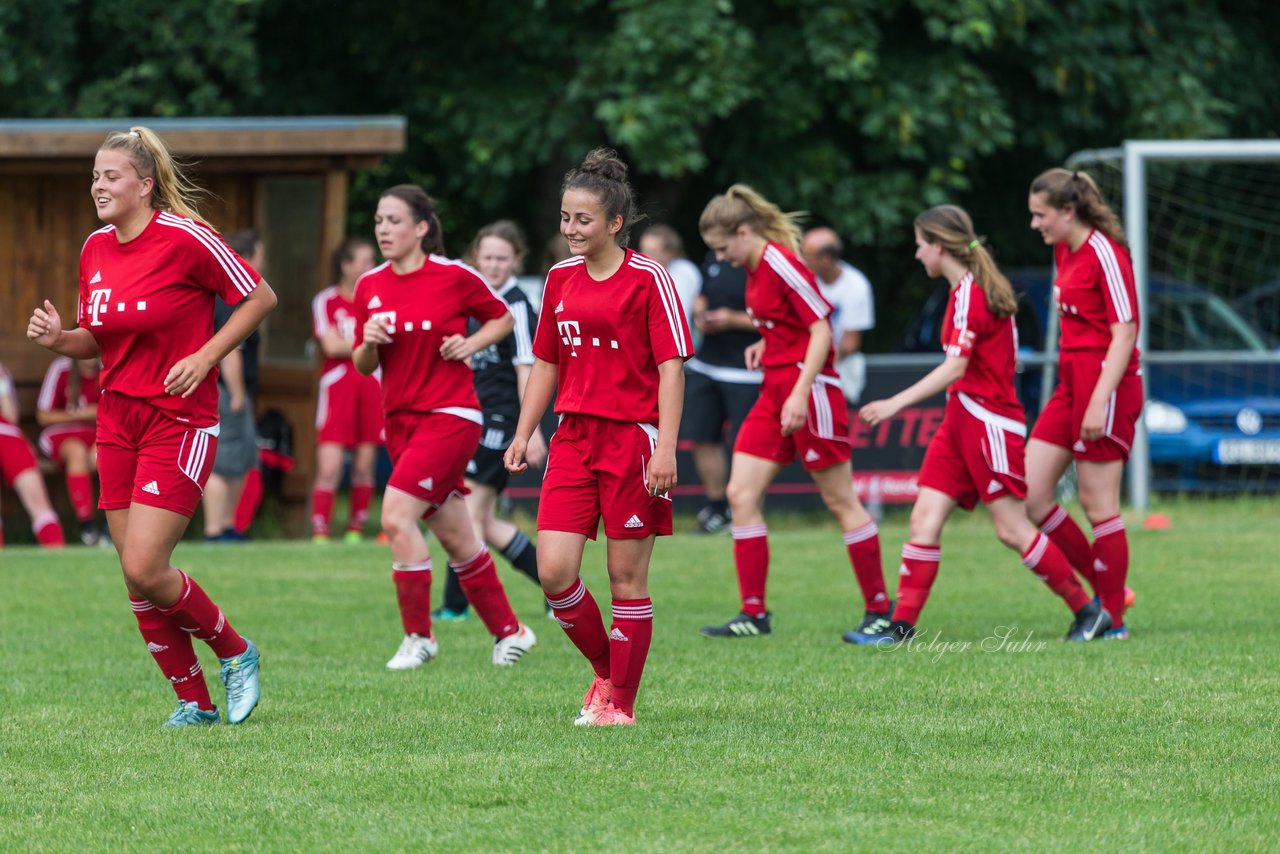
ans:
(501, 372)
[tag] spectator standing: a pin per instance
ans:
(853, 305)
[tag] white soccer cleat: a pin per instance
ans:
(509, 650)
(414, 651)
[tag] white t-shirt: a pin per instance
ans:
(688, 279)
(854, 310)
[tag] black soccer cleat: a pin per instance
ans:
(742, 626)
(874, 622)
(894, 632)
(1090, 622)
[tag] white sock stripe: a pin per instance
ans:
(420, 566)
(633, 612)
(926, 553)
(471, 564)
(1036, 552)
(1110, 526)
(1054, 519)
(749, 532)
(575, 594)
(141, 607)
(857, 535)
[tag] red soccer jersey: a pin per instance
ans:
(421, 309)
(1094, 288)
(331, 310)
(783, 300)
(53, 391)
(607, 338)
(990, 343)
(149, 304)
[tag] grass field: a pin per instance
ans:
(792, 742)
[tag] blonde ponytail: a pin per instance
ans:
(172, 191)
(742, 205)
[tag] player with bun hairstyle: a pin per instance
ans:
(801, 411)
(501, 376)
(977, 452)
(148, 279)
(1093, 413)
(611, 342)
(349, 406)
(411, 320)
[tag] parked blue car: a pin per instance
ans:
(1213, 425)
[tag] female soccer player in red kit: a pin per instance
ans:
(411, 319)
(611, 342)
(349, 407)
(147, 284)
(1094, 410)
(66, 409)
(977, 452)
(801, 411)
(19, 469)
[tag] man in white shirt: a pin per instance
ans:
(846, 288)
(661, 243)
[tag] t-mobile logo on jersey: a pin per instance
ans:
(571, 337)
(387, 319)
(98, 300)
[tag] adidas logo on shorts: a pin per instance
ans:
(634, 522)
(1079, 447)
(617, 635)
(810, 455)
(152, 487)
(993, 486)
(427, 483)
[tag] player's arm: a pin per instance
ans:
(850, 342)
(45, 328)
(796, 407)
(662, 465)
(8, 397)
(537, 396)
(935, 382)
(536, 449)
(459, 348)
(231, 369)
(333, 345)
(1124, 337)
(187, 374)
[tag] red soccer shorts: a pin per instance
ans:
(430, 451)
(596, 469)
(349, 408)
(1059, 422)
(145, 457)
(975, 454)
(15, 452)
(822, 442)
(51, 438)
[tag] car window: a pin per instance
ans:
(1198, 321)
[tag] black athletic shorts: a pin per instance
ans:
(710, 405)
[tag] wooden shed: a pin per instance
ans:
(286, 178)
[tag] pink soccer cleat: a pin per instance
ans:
(597, 698)
(611, 715)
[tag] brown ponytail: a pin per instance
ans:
(172, 191)
(951, 228)
(1064, 189)
(741, 205)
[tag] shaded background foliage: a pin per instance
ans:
(861, 112)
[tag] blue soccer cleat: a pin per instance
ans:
(240, 674)
(190, 714)
(1121, 633)
(890, 634)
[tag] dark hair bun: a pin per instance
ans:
(605, 163)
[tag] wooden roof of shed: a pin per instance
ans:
(308, 136)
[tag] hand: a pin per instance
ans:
(795, 409)
(45, 326)
(661, 475)
(536, 452)
(456, 348)
(754, 356)
(186, 375)
(237, 401)
(716, 320)
(876, 411)
(376, 332)
(1094, 422)
(513, 459)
